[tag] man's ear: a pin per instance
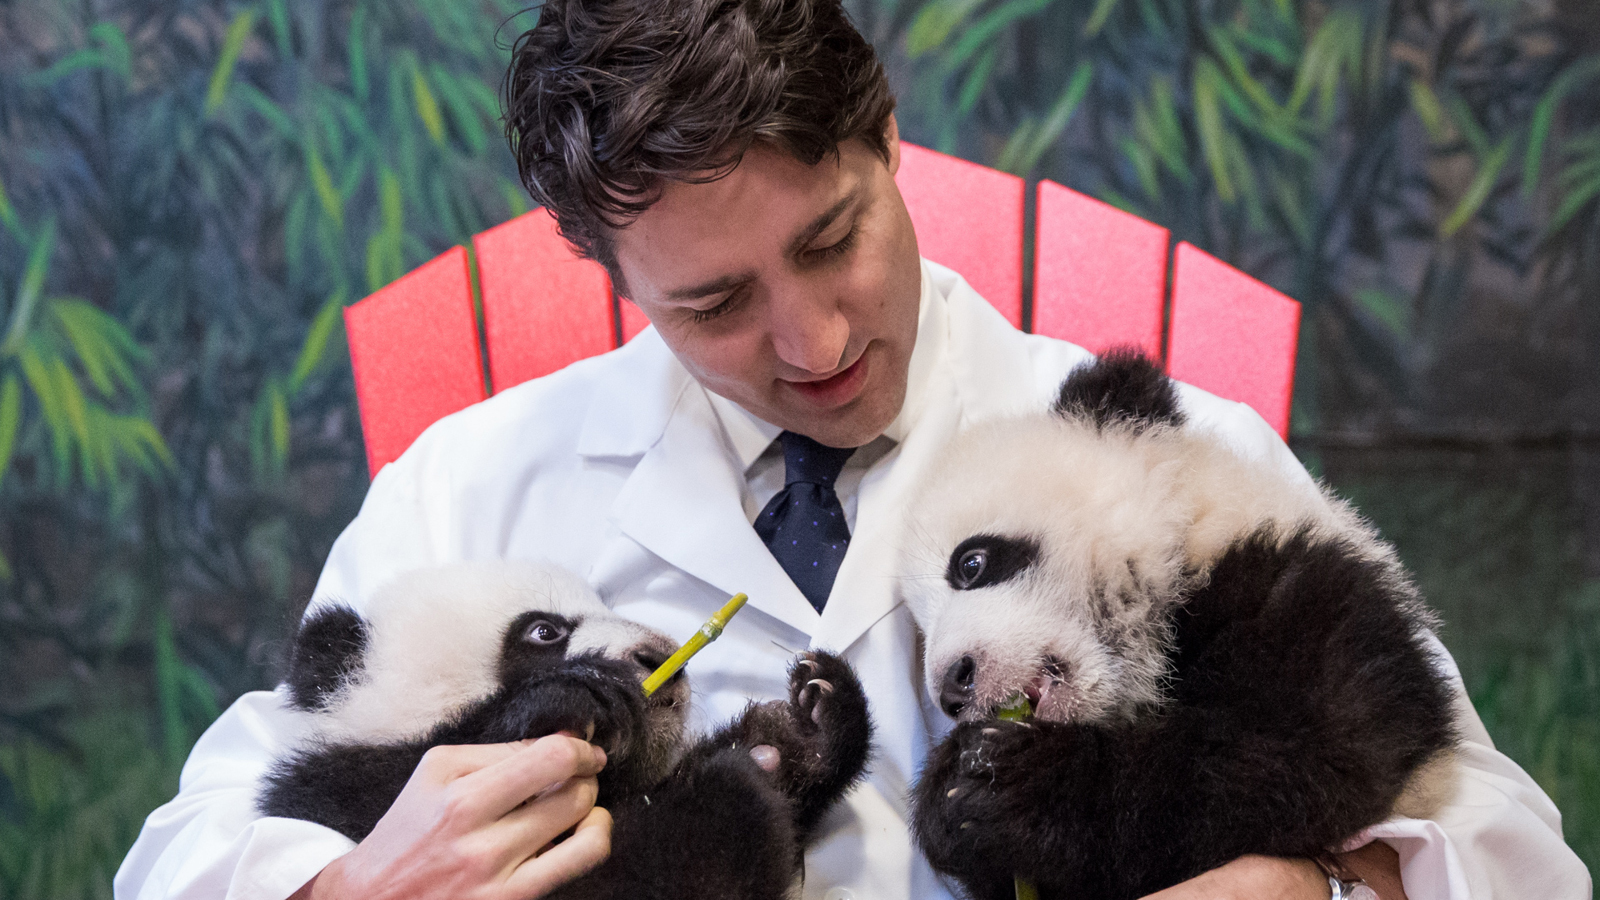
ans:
(891, 136)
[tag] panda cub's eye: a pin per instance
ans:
(989, 559)
(545, 632)
(969, 568)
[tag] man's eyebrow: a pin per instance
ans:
(821, 222)
(807, 235)
(715, 286)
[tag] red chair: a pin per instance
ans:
(1100, 278)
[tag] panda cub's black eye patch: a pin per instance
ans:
(989, 559)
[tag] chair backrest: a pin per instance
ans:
(1101, 277)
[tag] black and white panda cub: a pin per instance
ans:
(1222, 659)
(487, 653)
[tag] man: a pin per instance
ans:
(731, 164)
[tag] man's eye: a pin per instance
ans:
(837, 248)
(721, 309)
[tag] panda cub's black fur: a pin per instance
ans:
(1222, 658)
(488, 653)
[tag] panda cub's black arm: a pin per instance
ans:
(1303, 701)
(720, 826)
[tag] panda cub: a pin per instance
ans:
(1221, 659)
(488, 653)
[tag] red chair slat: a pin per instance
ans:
(1232, 335)
(633, 319)
(1100, 274)
(967, 217)
(414, 351)
(543, 307)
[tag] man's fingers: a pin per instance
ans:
(530, 770)
(446, 763)
(546, 817)
(574, 857)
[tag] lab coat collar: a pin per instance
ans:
(683, 499)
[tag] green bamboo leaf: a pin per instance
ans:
(327, 193)
(76, 61)
(461, 108)
(1338, 40)
(279, 428)
(1466, 121)
(1098, 17)
(114, 48)
(1056, 121)
(392, 207)
(29, 291)
(145, 432)
(375, 263)
(1431, 112)
(316, 342)
(934, 23)
(1233, 63)
(106, 349)
(359, 79)
(1392, 311)
(427, 106)
(1544, 115)
(73, 402)
(1144, 166)
(981, 34)
(977, 81)
(1478, 192)
(232, 46)
(1578, 196)
(8, 215)
(267, 109)
(36, 371)
(278, 12)
(1214, 143)
(10, 420)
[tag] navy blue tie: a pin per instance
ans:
(804, 524)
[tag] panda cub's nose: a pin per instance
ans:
(956, 692)
(649, 659)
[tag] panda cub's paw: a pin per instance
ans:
(979, 791)
(821, 735)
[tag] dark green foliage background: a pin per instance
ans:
(190, 192)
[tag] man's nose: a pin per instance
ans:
(810, 332)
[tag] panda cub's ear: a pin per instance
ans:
(1123, 386)
(327, 650)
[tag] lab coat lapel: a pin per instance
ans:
(683, 503)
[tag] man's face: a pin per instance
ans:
(791, 290)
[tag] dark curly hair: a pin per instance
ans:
(605, 99)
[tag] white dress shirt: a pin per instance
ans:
(624, 469)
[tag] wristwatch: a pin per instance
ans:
(1343, 884)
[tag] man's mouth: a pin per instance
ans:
(835, 390)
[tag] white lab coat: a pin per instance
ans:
(619, 468)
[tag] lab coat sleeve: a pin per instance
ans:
(1499, 835)
(209, 841)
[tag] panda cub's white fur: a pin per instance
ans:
(1127, 516)
(433, 644)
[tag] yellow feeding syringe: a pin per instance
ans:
(708, 632)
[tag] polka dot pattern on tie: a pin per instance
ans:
(808, 506)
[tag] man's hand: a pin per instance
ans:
(1276, 878)
(475, 823)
